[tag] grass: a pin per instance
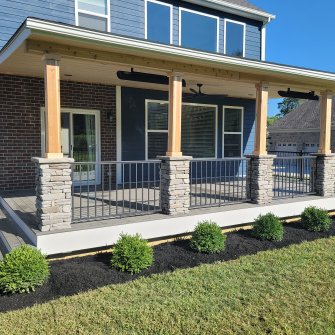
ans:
(287, 291)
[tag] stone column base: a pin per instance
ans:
(325, 175)
(53, 193)
(260, 179)
(175, 184)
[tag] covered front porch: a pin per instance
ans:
(160, 144)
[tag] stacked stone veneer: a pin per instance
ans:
(260, 179)
(175, 185)
(325, 175)
(53, 193)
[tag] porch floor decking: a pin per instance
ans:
(22, 202)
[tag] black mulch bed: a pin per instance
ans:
(76, 275)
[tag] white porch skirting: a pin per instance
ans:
(92, 235)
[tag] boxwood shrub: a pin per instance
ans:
(316, 219)
(268, 227)
(22, 270)
(132, 253)
(208, 238)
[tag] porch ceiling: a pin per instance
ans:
(90, 56)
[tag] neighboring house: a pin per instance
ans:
(113, 108)
(299, 130)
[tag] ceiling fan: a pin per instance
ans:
(200, 93)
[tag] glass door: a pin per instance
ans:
(80, 140)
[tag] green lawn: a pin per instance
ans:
(288, 291)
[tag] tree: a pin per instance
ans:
(273, 119)
(287, 105)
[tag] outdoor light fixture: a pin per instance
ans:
(298, 95)
(109, 116)
(144, 77)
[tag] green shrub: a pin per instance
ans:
(268, 227)
(22, 270)
(132, 254)
(208, 238)
(316, 219)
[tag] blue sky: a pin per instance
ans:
(302, 34)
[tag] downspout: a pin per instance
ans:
(263, 47)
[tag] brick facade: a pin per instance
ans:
(20, 125)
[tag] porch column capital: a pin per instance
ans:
(175, 75)
(262, 86)
(327, 93)
(51, 59)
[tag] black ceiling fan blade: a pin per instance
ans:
(194, 91)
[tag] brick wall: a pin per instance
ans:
(20, 126)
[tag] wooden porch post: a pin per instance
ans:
(325, 123)
(52, 107)
(174, 124)
(262, 96)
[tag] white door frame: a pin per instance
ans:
(72, 111)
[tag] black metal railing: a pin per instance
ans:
(293, 176)
(218, 182)
(103, 190)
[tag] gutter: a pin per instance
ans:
(235, 9)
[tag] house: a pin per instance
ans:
(299, 130)
(115, 109)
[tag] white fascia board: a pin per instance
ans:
(231, 8)
(151, 49)
(12, 45)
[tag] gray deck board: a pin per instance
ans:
(10, 235)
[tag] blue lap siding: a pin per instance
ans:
(127, 18)
(133, 119)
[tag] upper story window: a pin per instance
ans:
(198, 30)
(158, 22)
(93, 14)
(234, 41)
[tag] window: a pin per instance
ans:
(198, 31)
(198, 130)
(232, 132)
(157, 128)
(234, 41)
(198, 138)
(158, 18)
(93, 14)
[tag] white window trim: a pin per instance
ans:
(147, 101)
(202, 14)
(146, 17)
(233, 132)
(106, 16)
(225, 34)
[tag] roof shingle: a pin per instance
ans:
(243, 3)
(306, 116)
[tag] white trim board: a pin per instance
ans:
(75, 240)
